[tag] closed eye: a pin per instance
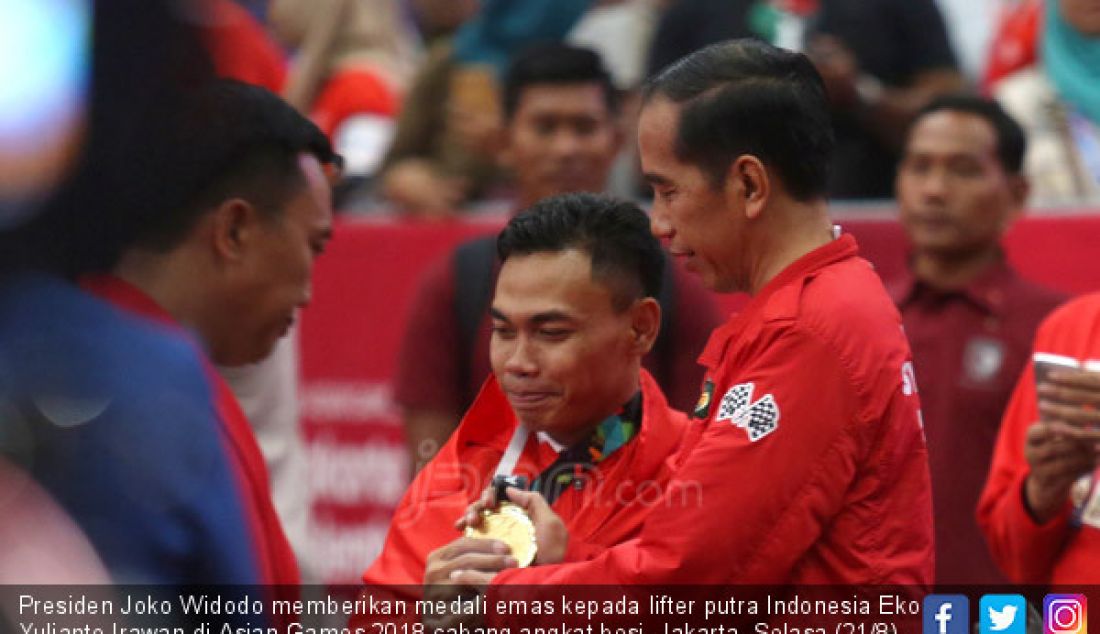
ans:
(501, 330)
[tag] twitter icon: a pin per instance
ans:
(1002, 614)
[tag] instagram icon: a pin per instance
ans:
(1065, 614)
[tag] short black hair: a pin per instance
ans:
(1011, 139)
(615, 233)
(748, 97)
(555, 63)
(231, 139)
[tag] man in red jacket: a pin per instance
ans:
(228, 253)
(568, 406)
(808, 452)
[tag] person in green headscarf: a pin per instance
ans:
(1058, 103)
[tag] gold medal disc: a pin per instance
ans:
(510, 524)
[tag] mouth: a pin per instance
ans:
(569, 180)
(932, 221)
(529, 399)
(684, 256)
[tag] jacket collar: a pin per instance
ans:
(986, 291)
(780, 296)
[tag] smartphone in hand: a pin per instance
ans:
(1045, 363)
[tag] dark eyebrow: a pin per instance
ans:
(537, 319)
(552, 315)
(655, 179)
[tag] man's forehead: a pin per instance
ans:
(584, 95)
(952, 131)
(660, 111)
(317, 183)
(658, 125)
(548, 281)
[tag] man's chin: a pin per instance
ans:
(242, 358)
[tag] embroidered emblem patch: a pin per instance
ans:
(758, 418)
(982, 360)
(702, 406)
(735, 401)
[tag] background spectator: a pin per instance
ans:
(1040, 509)
(881, 61)
(240, 46)
(354, 60)
(1058, 103)
(969, 317)
(444, 152)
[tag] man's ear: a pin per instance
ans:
(1019, 188)
(234, 225)
(645, 324)
(747, 181)
(506, 157)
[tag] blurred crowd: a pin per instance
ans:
(410, 90)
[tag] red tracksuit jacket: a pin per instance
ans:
(1055, 552)
(608, 510)
(274, 556)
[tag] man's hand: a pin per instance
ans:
(414, 187)
(1058, 454)
(838, 68)
(1065, 444)
(479, 559)
(551, 536)
(1072, 397)
(487, 556)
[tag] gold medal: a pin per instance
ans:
(510, 524)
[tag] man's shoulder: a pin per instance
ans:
(845, 313)
(458, 262)
(65, 335)
(846, 300)
(1024, 293)
(1077, 319)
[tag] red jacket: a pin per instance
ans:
(608, 510)
(273, 553)
(1055, 552)
(810, 466)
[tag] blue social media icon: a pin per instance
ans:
(1002, 614)
(946, 614)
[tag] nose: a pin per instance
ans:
(566, 142)
(307, 294)
(659, 224)
(934, 185)
(521, 359)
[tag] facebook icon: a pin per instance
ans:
(946, 614)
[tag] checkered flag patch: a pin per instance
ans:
(735, 401)
(761, 419)
(758, 418)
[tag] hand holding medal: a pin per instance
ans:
(506, 522)
(519, 518)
